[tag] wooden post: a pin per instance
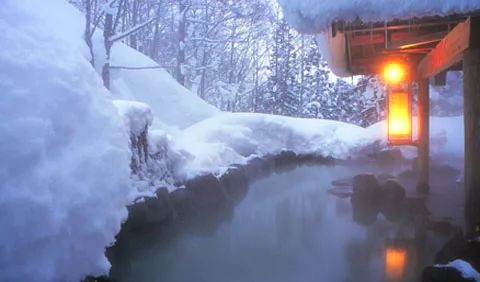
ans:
(471, 90)
(423, 185)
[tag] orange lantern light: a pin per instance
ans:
(394, 73)
(395, 263)
(399, 104)
(399, 117)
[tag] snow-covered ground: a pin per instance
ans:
(229, 138)
(65, 141)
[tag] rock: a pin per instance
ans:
(183, 202)
(365, 198)
(257, 168)
(442, 274)
(307, 158)
(340, 192)
(207, 192)
(366, 187)
(285, 159)
(445, 170)
(235, 184)
(102, 278)
(385, 176)
(388, 156)
(460, 248)
(416, 206)
(151, 211)
(342, 182)
(392, 200)
(441, 225)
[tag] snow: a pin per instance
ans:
(230, 138)
(314, 16)
(173, 106)
(137, 115)
(64, 141)
(467, 271)
(64, 166)
(446, 139)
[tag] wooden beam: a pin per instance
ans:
(471, 94)
(415, 41)
(447, 52)
(423, 186)
(471, 88)
(366, 39)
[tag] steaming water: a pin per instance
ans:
(288, 228)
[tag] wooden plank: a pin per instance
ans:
(447, 52)
(471, 88)
(366, 39)
(471, 96)
(423, 186)
(415, 41)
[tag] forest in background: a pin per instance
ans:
(239, 55)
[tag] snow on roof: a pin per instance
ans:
(313, 16)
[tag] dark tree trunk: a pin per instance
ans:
(182, 34)
(107, 33)
(88, 30)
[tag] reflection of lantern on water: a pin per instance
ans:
(395, 263)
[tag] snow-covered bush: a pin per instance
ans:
(154, 161)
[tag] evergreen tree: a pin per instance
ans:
(282, 84)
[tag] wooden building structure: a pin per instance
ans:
(430, 46)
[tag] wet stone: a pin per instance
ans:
(442, 274)
(416, 206)
(460, 248)
(207, 191)
(342, 182)
(235, 184)
(388, 157)
(365, 198)
(151, 211)
(392, 200)
(285, 160)
(257, 168)
(183, 202)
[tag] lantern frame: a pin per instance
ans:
(400, 138)
(399, 84)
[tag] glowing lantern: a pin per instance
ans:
(395, 263)
(399, 104)
(394, 73)
(399, 118)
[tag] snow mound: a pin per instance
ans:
(173, 106)
(316, 15)
(230, 138)
(64, 174)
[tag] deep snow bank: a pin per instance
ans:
(316, 15)
(229, 138)
(64, 175)
(173, 106)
